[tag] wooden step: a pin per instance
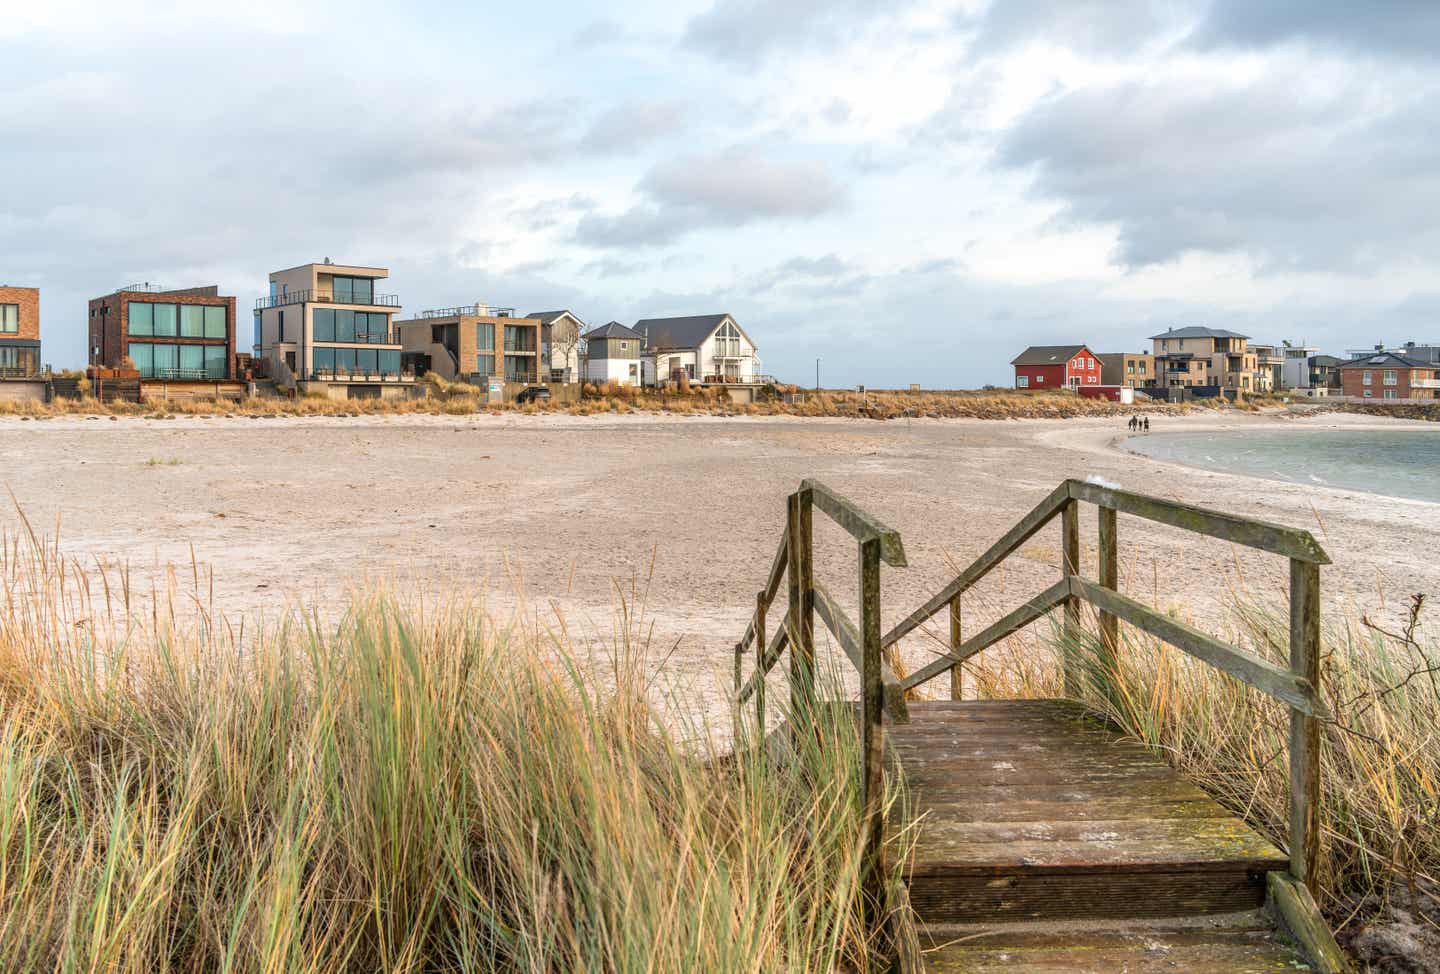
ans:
(1243, 943)
(1027, 810)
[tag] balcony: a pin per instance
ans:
(318, 296)
(1425, 383)
(358, 375)
(469, 311)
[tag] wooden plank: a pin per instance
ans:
(772, 656)
(992, 634)
(1297, 909)
(1142, 950)
(1253, 533)
(982, 566)
(872, 728)
(957, 672)
(1245, 667)
(761, 606)
(772, 586)
(1070, 568)
(832, 614)
(861, 526)
(1109, 571)
(801, 620)
(1304, 728)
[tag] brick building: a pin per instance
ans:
(475, 342)
(19, 332)
(169, 335)
(1056, 367)
(1387, 375)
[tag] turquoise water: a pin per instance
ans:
(1395, 463)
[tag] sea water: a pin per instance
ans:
(1397, 463)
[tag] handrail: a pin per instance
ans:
(862, 526)
(848, 636)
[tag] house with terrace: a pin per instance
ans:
(326, 328)
(474, 343)
(710, 349)
(179, 340)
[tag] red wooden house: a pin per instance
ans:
(1056, 367)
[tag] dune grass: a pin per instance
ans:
(412, 788)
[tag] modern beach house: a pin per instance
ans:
(612, 354)
(19, 332)
(327, 328)
(475, 342)
(561, 342)
(168, 335)
(706, 348)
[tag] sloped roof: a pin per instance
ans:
(1325, 360)
(612, 330)
(1199, 331)
(688, 332)
(1382, 360)
(1047, 354)
(546, 317)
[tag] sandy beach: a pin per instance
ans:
(561, 514)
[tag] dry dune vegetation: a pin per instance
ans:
(458, 399)
(412, 789)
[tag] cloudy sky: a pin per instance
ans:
(909, 190)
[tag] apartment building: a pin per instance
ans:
(612, 354)
(1388, 375)
(473, 343)
(166, 334)
(19, 332)
(1129, 370)
(1211, 358)
(327, 328)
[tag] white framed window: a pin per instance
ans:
(1040, 380)
(1369, 393)
(1392, 393)
(1391, 378)
(1022, 382)
(1367, 377)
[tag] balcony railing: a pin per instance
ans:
(359, 375)
(513, 346)
(1425, 383)
(325, 297)
(361, 338)
(469, 310)
(24, 371)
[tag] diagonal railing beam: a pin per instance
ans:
(847, 634)
(862, 526)
(772, 656)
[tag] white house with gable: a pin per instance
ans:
(707, 348)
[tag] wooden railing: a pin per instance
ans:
(1297, 686)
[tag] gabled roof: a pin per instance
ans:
(1199, 331)
(613, 330)
(1048, 354)
(688, 332)
(546, 317)
(1381, 360)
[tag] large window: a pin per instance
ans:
(727, 342)
(197, 321)
(485, 365)
(519, 368)
(178, 361)
(355, 361)
(353, 290)
(1391, 378)
(485, 338)
(519, 338)
(9, 319)
(341, 325)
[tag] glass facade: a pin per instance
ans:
(485, 338)
(519, 338)
(148, 318)
(485, 365)
(353, 290)
(339, 325)
(519, 368)
(176, 360)
(329, 360)
(9, 319)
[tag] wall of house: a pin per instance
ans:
(109, 324)
(1040, 376)
(1085, 367)
(707, 364)
(1352, 382)
(28, 300)
(625, 371)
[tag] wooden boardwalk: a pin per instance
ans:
(1048, 843)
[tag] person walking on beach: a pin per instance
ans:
(1147, 424)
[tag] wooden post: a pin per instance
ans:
(760, 644)
(957, 672)
(802, 604)
(1109, 578)
(872, 702)
(1070, 565)
(1305, 731)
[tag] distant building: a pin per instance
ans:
(1386, 375)
(561, 335)
(1131, 370)
(612, 354)
(475, 342)
(1322, 378)
(170, 335)
(1269, 368)
(1295, 372)
(19, 332)
(707, 348)
(325, 328)
(1205, 357)
(1056, 367)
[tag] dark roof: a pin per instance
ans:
(548, 316)
(1199, 331)
(1047, 354)
(678, 332)
(1382, 359)
(613, 330)
(1326, 360)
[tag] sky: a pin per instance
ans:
(909, 191)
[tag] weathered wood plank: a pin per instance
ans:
(957, 672)
(801, 620)
(1070, 568)
(992, 634)
(832, 614)
(1137, 951)
(1292, 902)
(772, 656)
(872, 728)
(982, 566)
(1304, 728)
(772, 586)
(861, 526)
(1251, 532)
(1245, 667)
